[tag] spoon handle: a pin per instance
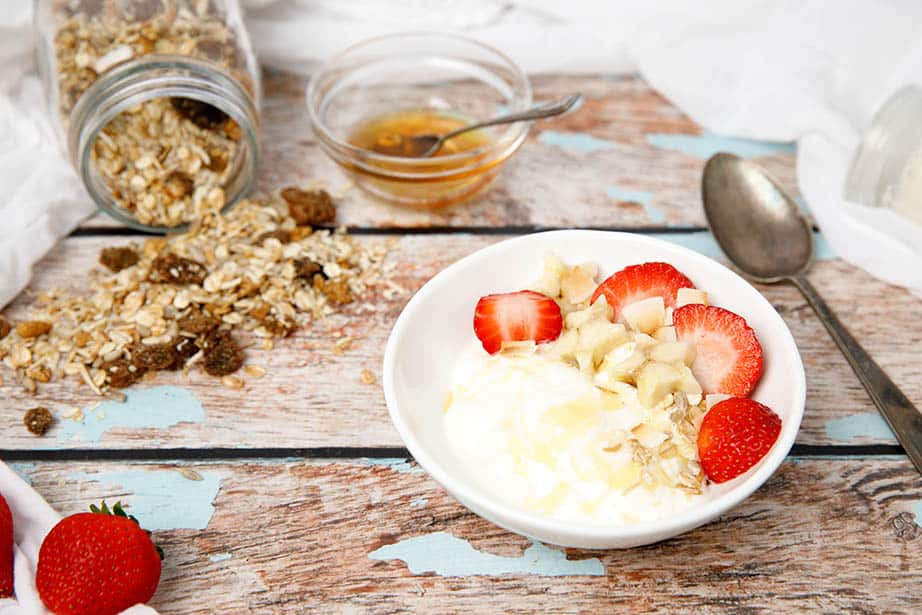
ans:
(901, 415)
(546, 110)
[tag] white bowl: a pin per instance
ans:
(436, 327)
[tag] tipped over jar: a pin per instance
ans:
(156, 101)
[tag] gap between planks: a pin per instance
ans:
(341, 452)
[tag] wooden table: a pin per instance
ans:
(296, 495)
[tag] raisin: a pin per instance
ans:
(185, 348)
(178, 184)
(305, 269)
(337, 291)
(38, 420)
(33, 328)
(282, 235)
(120, 373)
(278, 326)
(199, 113)
(309, 207)
(154, 356)
(5, 327)
(116, 259)
(222, 354)
(174, 269)
(198, 322)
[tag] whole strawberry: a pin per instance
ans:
(97, 563)
(6, 550)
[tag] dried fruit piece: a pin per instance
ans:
(279, 325)
(33, 328)
(174, 269)
(638, 282)
(116, 259)
(734, 436)
(281, 235)
(510, 317)
(337, 291)
(38, 420)
(185, 348)
(198, 322)
(222, 354)
(305, 269)
(199, 113)
(120, 373)
(178, 184)
(154, 356)
(5, 327)
(309, 207)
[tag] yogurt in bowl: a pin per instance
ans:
(583, 429)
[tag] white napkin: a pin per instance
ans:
(33, 518)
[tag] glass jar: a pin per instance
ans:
(156, 101)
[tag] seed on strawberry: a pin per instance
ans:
(734, 435)
(6, 549)
(643, 281)
(728, 354)
(97, 563)
(516, 317)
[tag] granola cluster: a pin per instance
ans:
(165, 161)
(187, 300)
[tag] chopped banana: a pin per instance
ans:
(646, 315)
(597, 311)
(665, 334)
(576, 286)
(673, 352)
(685, 296)
(600, 337)
(549, 283)
(622, 362)
(655, 381)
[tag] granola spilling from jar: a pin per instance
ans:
(166, 161)
(189, 300)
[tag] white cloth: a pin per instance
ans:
(33, 518)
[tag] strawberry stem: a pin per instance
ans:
(118, 511)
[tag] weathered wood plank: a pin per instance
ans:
(313, 396)
(615, 162)
(823, 535)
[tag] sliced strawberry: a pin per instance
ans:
(642, 281)
(516, 317)
(6, 549)
(728, 355)
(735, 434)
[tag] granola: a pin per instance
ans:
(165, 313)
(165, 161)
(38, 420)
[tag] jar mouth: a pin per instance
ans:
(161, 76)
(364, 56)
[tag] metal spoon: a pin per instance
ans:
(424, 146)
(762, 231)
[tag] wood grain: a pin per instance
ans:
(544, 185)
(313, 396)
(824, 535)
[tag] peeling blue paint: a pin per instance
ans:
(640, 197)
(707, 144)
(152, 408)
(418, 503)
(917, 512)
(398, 464)
(219, 557)
(575, 141)
(162, 499)
(864, 425)
(704, 243)
(448, 556)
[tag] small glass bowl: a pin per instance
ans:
(443, 72)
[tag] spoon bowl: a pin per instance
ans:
(759, 226)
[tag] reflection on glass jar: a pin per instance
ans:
(157, 102)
